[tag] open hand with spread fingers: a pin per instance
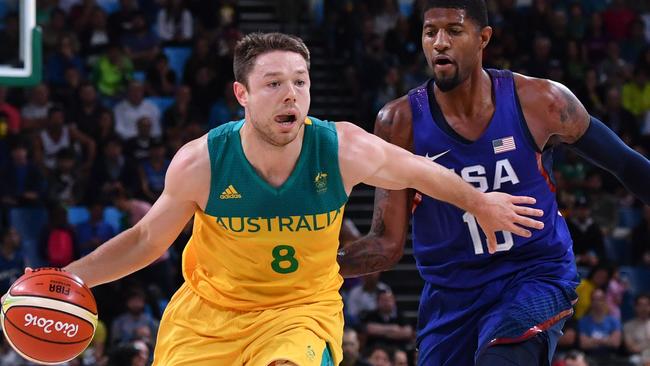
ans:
(502, 212)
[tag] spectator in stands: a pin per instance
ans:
(386, 325)
(618, 118)
(600, 333)
(67, 95)
(10, 116)
(588, 242)
(641, 239)
(636, 93)
(85, 114)
(363, 298)
(576, 358)
(161, 79)
(66, 56)
(22, 183)
(105, 127)
(182, 114)
(175, 23)
(34, 113)
(58, 246)
(111, 73)
(598, 278)
(225, 109)
(94, 231)
(615, 293)
(591, 95)
(133, 209)
(636, 332)
(202, 56)
(351, 349)
(129, 354)
(53, 31)
(205, 89)
(139, 147)
(57, 136)
(121, 21)
(613, 68)
(12, 262)
(618, 19)
(153, 170)
(633, 47)
(141, 45)
(66, 183)
(400, 357)
(113, 170)
(379, 355)
(124, 326)
(95, 36)
(130, 110)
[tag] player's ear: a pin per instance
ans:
(241, 93)
(486, 34)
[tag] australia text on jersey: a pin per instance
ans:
(310, 222)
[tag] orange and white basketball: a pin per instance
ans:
(49, 316)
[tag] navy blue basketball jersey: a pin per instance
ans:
(450, 248)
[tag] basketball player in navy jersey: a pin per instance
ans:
(500, 299)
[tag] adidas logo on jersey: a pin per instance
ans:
(229, 193)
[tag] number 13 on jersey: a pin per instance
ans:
(476, 236)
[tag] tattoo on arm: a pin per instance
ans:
(570, 115)
(370, 253)
(570, 109)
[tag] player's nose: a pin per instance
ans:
(442, 41)
(291, 94)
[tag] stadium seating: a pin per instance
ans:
(177, 58)
(161, 102)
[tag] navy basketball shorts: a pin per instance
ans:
(455, 326)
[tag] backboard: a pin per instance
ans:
(21, 60)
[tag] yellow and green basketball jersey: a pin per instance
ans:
(258, 247)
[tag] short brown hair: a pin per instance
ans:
(256, 44)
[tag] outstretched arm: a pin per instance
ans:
(366, 158)
(150, 237)
(555, 116)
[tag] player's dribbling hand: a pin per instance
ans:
(503, 212)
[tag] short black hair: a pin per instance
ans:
(475, 9)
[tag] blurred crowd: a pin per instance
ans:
(126, 83)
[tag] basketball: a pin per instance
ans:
(49, 316)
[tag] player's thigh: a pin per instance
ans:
(294, 347)
(187, 335)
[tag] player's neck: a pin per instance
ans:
(273, 163)
(468, 99)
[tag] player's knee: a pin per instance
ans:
(282, 363)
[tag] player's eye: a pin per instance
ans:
(274, 84)
(300, 82)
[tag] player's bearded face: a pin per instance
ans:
(278, 96)
(450, 44)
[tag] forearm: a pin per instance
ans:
(118, 257)
(443, 184)
(368, 255)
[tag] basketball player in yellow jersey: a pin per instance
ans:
(267, 195)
